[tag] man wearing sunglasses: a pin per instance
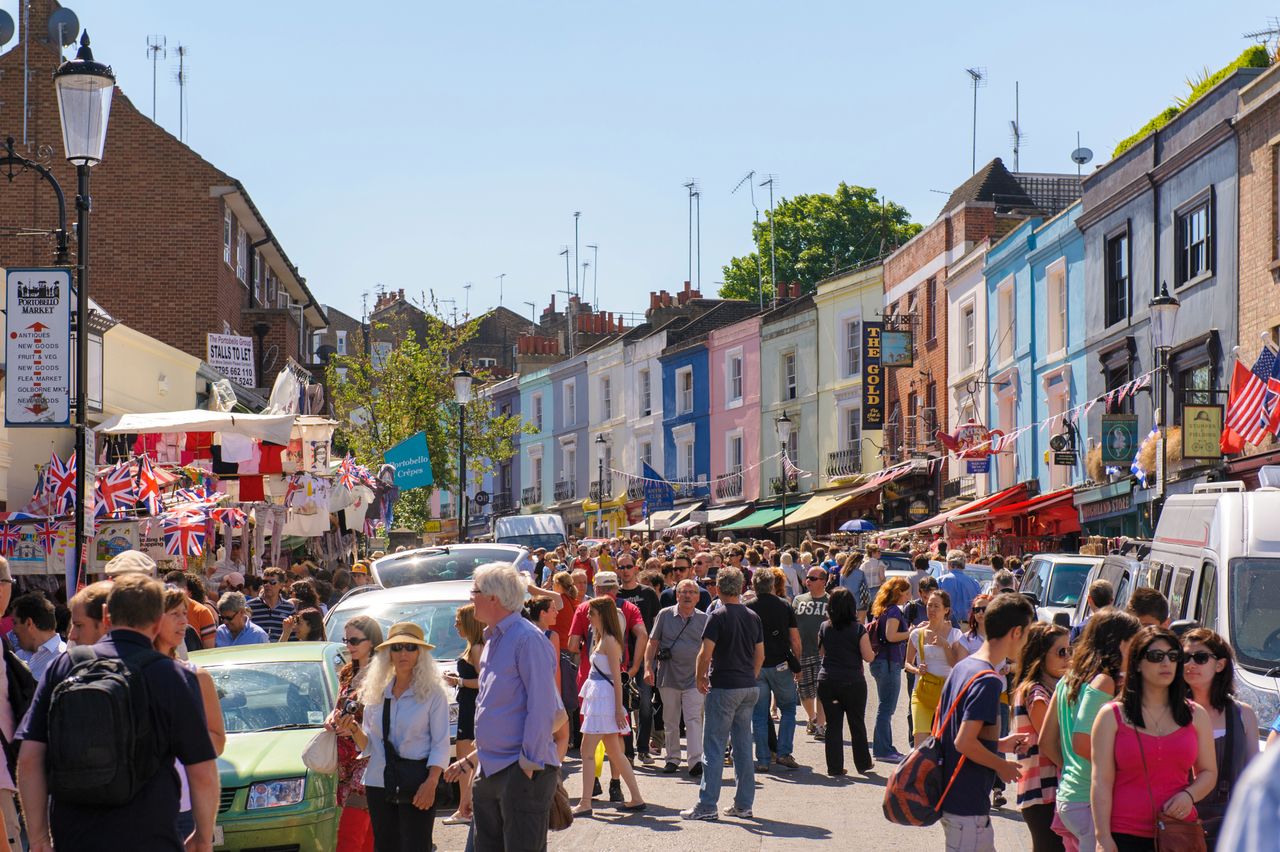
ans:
(236, 628)
(269, 609)
(684, 570)
(811, 610)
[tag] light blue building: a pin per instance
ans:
(536, 455)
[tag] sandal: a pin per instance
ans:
(582, 812)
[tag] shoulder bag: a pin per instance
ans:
(321, 754)
(1172, 835)
(401, 776)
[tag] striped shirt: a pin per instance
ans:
(1038, 783)
(270, 619)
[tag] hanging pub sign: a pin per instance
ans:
(38, 352)
(898, 349)
(872, 377)
(1120, 437)
(1201, 431)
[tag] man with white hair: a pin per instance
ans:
(961, 587)
(516, 711)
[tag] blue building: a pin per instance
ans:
(502, 478)
(536, 483)
(569, 451)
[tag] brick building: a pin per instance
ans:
(179, 249)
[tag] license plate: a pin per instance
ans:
(218, 839)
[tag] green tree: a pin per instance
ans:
(818, 235)
(385, 395)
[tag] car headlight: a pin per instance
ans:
(275, 794)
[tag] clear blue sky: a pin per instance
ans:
(424, 144)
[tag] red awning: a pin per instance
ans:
(1038, 504)
(1015, 492)
(1054, 512)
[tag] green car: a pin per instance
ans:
(275, 698)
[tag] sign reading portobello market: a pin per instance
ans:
(233, 357)
(872, 376)
(38, 354)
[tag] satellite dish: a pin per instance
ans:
(1080, 156)
(6, 26)
(70, 27)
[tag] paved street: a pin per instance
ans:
(793, 808)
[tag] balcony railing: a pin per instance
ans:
(793, 484)
(502, 503)
(635, 489)
(607, 491)
(686, 487)
(566, 489)
(961, 486)
(844, 463)
(531, 496)
(730, 486)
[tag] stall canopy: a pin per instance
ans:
(1008, 495)
(716, 517)
(1056, 506)
(273, 428)
(664, 519)
(818, 506)
(881, 478)
(759, 518)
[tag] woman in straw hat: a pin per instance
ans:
(403, 691)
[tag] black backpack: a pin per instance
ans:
(102, 749)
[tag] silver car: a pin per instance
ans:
(442, 563)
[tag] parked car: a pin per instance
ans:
(982, 573)
(275, 698)
(441, 563)
(1055, 582)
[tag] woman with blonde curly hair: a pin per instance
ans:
(891, 630)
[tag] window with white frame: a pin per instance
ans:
(1006, 462)
(317, 340)
(258, 284)
(226, 237)
(968, 336)
(733, 376)
(646, 452)
(1005, 325)
(537, 411)
(1056, 305)
(570, 472)
(646, 394)
(684, 390)
(790, 390)
(1059, 474)
(606, 398)
(381, 353)
(852, 348)
(242, 254)
(853, 428)
(537, 470)
(733, 452)
(686, 460)
(570, 389)
(793, 441)
(342, 342)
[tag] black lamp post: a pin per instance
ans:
(462, 396)
(600, 445)
(84, 88)
(782, 426)
(1164, 317)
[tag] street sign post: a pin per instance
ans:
(38, 352)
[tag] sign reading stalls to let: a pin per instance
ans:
(872, 377)
(233, 357)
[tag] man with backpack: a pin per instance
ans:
(101, 736)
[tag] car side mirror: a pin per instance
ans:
(1183, 625)
(1062, 619)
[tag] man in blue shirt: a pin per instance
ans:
(961, 587)
(236, 628)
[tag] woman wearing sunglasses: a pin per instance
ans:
(1043, 663)
(1145, 747)
(360, 635)
(1208, 667)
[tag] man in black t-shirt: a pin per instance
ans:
(776, 679)
(684, 571)
(645, 600)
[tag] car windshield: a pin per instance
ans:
(1254, 612)
(271, 696)
(1067, 584)
(436, 618)
(429, 567)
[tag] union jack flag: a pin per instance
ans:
(148, 487)
(47, 533)
(115, 491)
(184, 534)
(347, 474)
(60, 480)
(1244, 412)
(229, 515)
(291, 489)
(9, 537)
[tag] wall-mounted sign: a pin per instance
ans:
(1066, 458)
(1120, 437)
(975, 466)
(918, 510)
(38, 352)
(1201, 431)
(898, 349)
(233, 357)
(872, 377)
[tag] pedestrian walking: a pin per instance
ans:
(961, 587)
(1146, 745)
(1044, 661)
(890, 635)
(1253, 820)
(777, 677)
(466, 680)
(843, 645)
(34, 625)
(671, 659)
(19, 687)
(727, 669)
(933, 649)
(645, 599)
(853, 578)
(811, 613)
(361, 634)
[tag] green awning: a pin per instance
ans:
(759, 518)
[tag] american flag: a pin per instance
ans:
(1251, 413)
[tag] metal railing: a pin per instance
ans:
(608, 488)
(635, 489)
(687, 487)
(961, 486)
(730, 486)
(531, 496)
(503, 504)
(844, 463)
(566, 489)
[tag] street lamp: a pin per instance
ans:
(782, 427)
(601, 443)
(1164, 316)
(462, 396)
(84, 87)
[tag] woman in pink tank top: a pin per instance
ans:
(1146, 746)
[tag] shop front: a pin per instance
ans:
(1111, 510)
(604, 520)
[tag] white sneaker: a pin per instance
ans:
(735, 811)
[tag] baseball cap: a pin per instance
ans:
(606, 579)
(131, 562)
(235, 578)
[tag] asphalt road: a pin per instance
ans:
(794, 809)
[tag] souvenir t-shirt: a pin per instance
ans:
(810, 612)
(970, 794)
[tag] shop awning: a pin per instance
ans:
(1008, 495)
(725, 514)
(1041, 503)
(663, 519)
(881, 478)
(610, 505)
(1055, 510)
(759, 518)
(818, 506)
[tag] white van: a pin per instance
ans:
(531, 531)
(1216, 557)
(1056, 582)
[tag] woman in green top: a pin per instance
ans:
(1099, 658)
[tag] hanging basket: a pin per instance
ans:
(1093, 465)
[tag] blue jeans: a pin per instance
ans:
(782, 684)
(888, 678)
(726, 714)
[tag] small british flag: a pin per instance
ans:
(9, 537)
(184, 534)
(47, 532)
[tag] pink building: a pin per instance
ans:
(733, 356)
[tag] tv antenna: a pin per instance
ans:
(595, 274)
(500, 283)
(1080, 155)
(1015, 129)
(773, 258)
(1266, 36)
(182, 79)
(691, 186)
(533, 313)
(585, 265)
(577, 287)
(157, 49)
(466, 310)
(749, 180)
(569, 294)
(978, 78)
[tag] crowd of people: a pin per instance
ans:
(679, 655)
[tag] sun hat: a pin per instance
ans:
(405, 633)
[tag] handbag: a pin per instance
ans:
(321, 754)
(401, 776)
(1172, 835)
(561, 815)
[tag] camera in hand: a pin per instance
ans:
(350, 707)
